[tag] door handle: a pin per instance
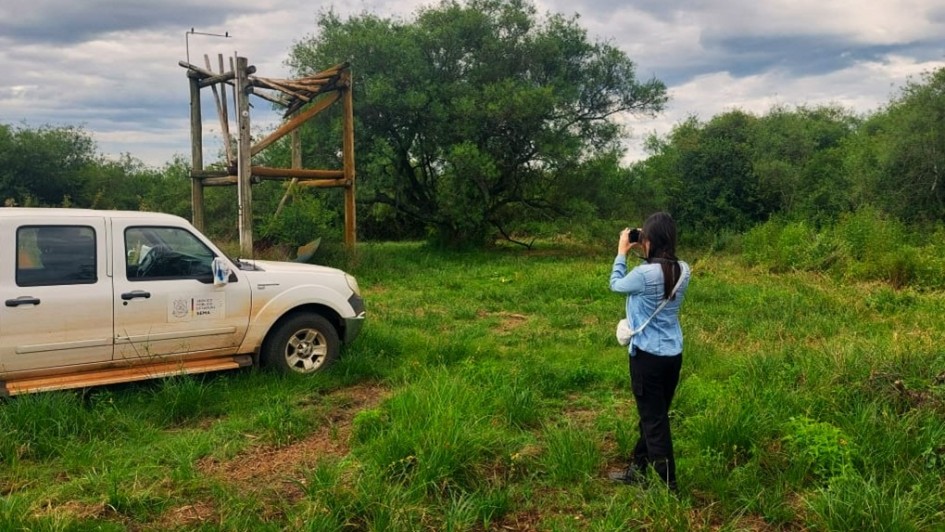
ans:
(134, 294)
(22, 300)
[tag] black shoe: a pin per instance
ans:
(632, 474)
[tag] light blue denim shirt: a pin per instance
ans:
(644, 288)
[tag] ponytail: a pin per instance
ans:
(660, 231)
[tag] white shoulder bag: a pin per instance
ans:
(625, 333)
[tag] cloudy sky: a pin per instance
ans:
(110, 66)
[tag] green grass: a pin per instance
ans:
(489, 392)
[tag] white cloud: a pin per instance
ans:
(111, 65)
(861, 88)
(871, 21)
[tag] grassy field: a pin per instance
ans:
(487, 393)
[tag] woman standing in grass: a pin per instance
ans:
(656, 346)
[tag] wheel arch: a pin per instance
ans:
(324, 311)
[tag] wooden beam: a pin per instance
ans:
(221, 78)
(316, 178)
(330, 71)
(194, 174)
(269, 84)
(296, 164)
(304, 84)
(196, 155)
(221, 113)
(235, 105)
(244, 159)
(302, 173)
(274, 99)
(219, 181)
(230, 159)
(323, 183)
(201, 73)
(196, 72)
(347, 150)
(296, 121)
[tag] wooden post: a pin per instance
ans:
(348, 158)
(244, 188)
(225, 118)
(296, 148)
(196, 154)
(221, 111)
(296, 163)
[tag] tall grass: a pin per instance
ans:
(862, 246)
(812, 396)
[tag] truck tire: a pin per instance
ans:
(304, 343)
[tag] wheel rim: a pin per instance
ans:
(306, 350)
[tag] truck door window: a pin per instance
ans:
(55, 255)
(153, 253)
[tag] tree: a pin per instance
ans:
(706, 173)
(116, 183)
(798, 156)
(45, 165)
(738, 169)
(472, 114)
(899, 161)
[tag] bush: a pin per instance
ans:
(854, 502)
(822, 447)
(861, 246)
(781, 247)
(300, 221)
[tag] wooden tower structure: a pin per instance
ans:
(302, 98)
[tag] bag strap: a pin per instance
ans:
(683, 273)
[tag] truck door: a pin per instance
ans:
(165, 300)
(56, 294)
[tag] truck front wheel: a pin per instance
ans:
(304, 343)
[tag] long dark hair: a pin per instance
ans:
(660, 230)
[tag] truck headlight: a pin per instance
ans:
(353, 284)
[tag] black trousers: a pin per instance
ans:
(653, 379)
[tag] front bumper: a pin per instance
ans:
(353, 327)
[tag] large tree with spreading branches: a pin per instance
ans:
(473, 116)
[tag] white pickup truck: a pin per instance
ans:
(97, 297)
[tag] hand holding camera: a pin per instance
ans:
(629, 238)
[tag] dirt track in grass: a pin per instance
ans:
(281, 471)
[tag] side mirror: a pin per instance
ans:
(221, 271)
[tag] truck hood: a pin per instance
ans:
(291, 267)
(294, 284)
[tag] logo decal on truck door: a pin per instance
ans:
(180, 310)
(187, 307)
